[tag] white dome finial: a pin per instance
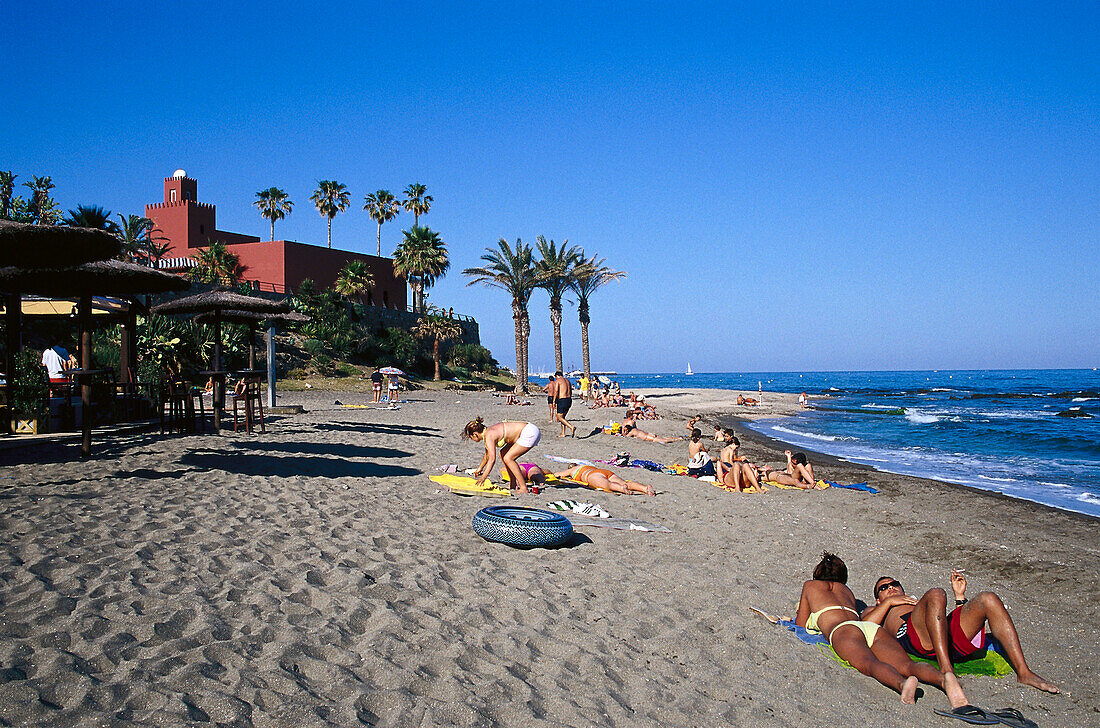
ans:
(179, 173)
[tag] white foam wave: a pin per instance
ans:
(799, 433)
(943, 389)
(919, 418)
(878, 406)
(1056, 485)
(998, 480)
(1083, 399)
(1088, 498)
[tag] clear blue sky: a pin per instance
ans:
(788, 188)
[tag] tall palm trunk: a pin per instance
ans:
(435, 356)
(330, 232)
(273, 230)
(526, 349)
(379, 240)
(555, 319)
(521, 365)
(583, 309)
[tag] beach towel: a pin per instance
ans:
(584, 509)
(854, 486)
(460, 485)
(620, 524)
(821, 485)
(991, 663)
(568, 461)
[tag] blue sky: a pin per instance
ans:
(787, 187)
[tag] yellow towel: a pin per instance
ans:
(821, 485)
(461, 485)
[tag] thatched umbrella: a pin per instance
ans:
(216, 303)
(35, 246)
(251, 320)
(50, 246)
(108, 278)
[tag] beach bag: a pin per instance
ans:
(622, 459)
(616, 428)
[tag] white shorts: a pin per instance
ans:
(529, 436)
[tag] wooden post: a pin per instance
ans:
(270, 364)
(252, 347)
(13, 320)
(219, 381)
(85, 380)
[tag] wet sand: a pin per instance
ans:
(313, 576)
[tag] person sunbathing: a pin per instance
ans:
(827, 606)
(599, 479)
(925, 629)
(630, 429)
(534, 473)
(746, 401)
(735, 470)
(513, 439)
(699, 462)
(799, 472)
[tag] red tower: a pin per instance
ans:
(184, 221)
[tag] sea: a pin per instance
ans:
(1032, 433)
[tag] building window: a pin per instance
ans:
(173, 195)
(202, 230)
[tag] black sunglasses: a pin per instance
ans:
(884, 586)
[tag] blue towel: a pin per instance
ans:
(802, 634)
(853, 486)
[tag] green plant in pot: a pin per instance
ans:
(29, 393)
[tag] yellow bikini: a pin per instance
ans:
(869, 629)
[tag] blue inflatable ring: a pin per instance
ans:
(523, 527)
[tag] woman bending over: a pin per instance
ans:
(513, 439)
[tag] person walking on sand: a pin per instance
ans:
(803, 400)
(827, 606)
(513, 439)
(563, 400)
(600, 479)
(550, 387)
(925, 629)
(376, 384)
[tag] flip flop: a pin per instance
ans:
(968, 714)
(1013, 717)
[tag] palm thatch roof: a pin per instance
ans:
(102, 278)
(53, 246)
(220, 302)
(251, 317)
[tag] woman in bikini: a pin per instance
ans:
(600, 479)
(631, 430)
(735, 471)
(799, 472)
(827, 606)
(513, 439)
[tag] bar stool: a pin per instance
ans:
(251, 397)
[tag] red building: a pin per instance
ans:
(281, 265)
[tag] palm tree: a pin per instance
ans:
(512, 271)
(557, 268)
(91, 216)
(139, 236)
(7, 189)
(591, 275)
(218, 266)
(354, 279)
(421, 258)
(382, 207)
(437, 328)
(331, 198)
(41, 208)
(417, 202)
(274, 204)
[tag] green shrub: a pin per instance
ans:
(29, 390)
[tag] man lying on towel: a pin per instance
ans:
(925, 629)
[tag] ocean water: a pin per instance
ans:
(1003, 431)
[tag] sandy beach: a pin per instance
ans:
(314, 576)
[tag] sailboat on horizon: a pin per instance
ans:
(689, 372)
